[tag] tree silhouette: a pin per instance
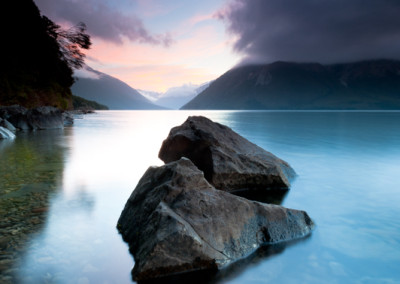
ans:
(37, 56)
(70, 41)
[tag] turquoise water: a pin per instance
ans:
(348, 166)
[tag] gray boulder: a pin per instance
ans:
(229, 161)
(44, 117)
(7, 111)
(175, 221)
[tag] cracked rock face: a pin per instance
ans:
(175, 221)
(229, 161)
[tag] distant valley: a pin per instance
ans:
(96, 86)
(115, 94)
(175, 97)
(283, 85)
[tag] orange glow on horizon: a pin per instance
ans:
(198, 57)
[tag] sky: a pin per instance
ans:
(157, 44)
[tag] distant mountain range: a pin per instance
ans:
(283, 85)
(176, 97)
(109, 91)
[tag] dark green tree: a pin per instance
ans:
(37, 56)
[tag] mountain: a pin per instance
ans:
(83, 104)
(176, 97)
(373, 84)
(109, 91)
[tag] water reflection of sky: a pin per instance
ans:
(347, 164)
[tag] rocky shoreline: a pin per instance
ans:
(17, 118)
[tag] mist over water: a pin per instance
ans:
(348, 167)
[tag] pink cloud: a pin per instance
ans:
(200, 57)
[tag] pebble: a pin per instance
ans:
(4, 241)
(21, 217)
(40, 210)
(35, 221)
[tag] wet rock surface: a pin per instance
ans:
(229, 161)
(6, 124)
(6, 134)
(45, 117)
(68, 118)
(175, 221)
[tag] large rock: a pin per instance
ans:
(44, 117)
(175, 221)
(229, 161)
(7, 111)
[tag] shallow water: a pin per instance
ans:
(72, 185)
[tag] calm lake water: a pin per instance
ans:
(348, 166)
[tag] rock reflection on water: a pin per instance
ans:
(231, 271)
(260, 255)
(31, 168)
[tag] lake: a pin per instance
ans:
(62, 191)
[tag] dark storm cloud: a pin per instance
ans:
(324, 31)
(102, 20)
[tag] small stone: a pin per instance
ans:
(35, 221)
(40, 210)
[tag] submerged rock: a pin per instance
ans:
(175, 221)
(229, 161)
